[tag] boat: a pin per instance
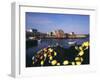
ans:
(39, 41)
(72, 42)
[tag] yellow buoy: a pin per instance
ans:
(76, 47)
(86, 44)
(51, 50)
(73, 63)
(81, 53)
(86, 48)
(42, 62)
(77, 58)
(41, 57)
(65, 62)
(33, 62)
(45, 50)
(78, 63)
(81, 59)
(55, 53)
(50, 57)
(80, 48)
(58, 64)
(45, 54)
(54, 62)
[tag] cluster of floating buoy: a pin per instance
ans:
(44, 54)
(49, 55)
(81, 49)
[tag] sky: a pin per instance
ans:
(47, 22)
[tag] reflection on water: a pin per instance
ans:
(53, 42)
